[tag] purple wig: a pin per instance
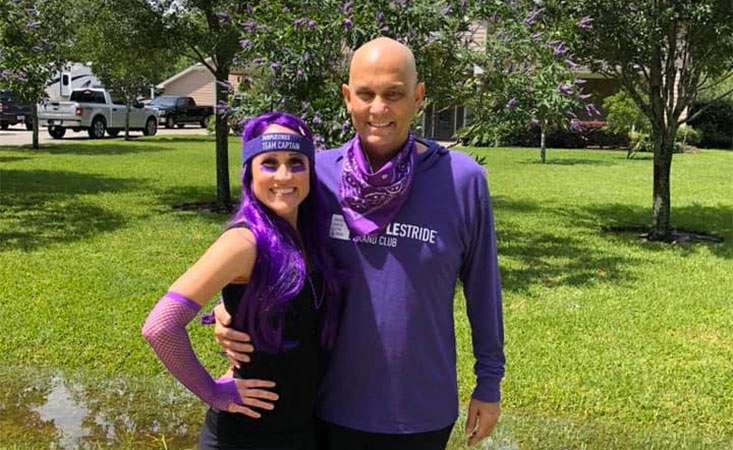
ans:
(280, 268)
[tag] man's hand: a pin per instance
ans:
(235, 343)
(481, 420)
(252, 395)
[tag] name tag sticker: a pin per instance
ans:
(339, 230)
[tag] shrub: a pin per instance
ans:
(715, 123)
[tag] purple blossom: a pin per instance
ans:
(311, 24)
(250, 26)
(446, 10)
(222, 17)
(566, 89)
(576, 126)
(532, 17)
(258, 61)
(559, 49)
(380, 18)
(591, 110)
(317, 120)
(348, 24)
(306, 57)
(347, 7)
(300, 22)
(299, 73)
(572, 64)
(585, 96)
(585, 23)
(512, 104)
(245, 44)
(536, 35)
(580, 81)
(346, 126)
(275, 66)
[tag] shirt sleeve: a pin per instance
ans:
(482, 290)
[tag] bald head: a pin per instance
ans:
(384, 53)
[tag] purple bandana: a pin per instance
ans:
(371, 200)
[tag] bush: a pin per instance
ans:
(715, 123)
(686, 135)
(593, 134)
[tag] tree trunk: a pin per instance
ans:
(543, 147)
(661, 205)
(34, 113)
(223, 194)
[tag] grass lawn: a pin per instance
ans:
(611, 342)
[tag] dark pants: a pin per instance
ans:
(215, 439)
(334, 437)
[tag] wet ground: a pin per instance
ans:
(53, 411)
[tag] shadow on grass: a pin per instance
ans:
(559, 161)
(9, 159)
(40, 208)
(95, 148)
(716, 220)
(184, 200)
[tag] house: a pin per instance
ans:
(442, 123)
(197, 82)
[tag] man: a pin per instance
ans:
(408, 219)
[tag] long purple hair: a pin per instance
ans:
(280, 269)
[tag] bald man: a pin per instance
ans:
(408, 220)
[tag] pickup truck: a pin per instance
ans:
(12, 113)
(178, 111)
(96, 111)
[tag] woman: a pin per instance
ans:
(272, 271)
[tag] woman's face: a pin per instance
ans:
(281, 181)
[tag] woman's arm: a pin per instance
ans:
(230, 257)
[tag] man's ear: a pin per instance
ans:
(346, 92)
(419, 95)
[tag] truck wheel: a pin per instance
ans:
(205, 122)
(29, 125)
(151, 127)
(96, 131)
(170, 122)
(57, 132)
(113, 132)
(4, 125)
(180, 125)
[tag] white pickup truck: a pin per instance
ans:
(96, 111)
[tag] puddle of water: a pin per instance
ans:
(53, 411)
(66, 414)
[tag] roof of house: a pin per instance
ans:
(192, 68)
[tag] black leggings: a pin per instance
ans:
(334, 437)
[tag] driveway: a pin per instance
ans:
(18, 135)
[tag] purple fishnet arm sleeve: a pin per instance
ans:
(165, 330)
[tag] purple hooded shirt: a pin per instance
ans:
(393, 369)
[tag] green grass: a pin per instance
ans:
(612, 342)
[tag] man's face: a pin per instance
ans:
(382, 100)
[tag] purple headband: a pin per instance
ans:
(277, 142)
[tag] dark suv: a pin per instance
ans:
(12, 113)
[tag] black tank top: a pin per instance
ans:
(296, 371)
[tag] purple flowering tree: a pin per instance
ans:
(206, 31)
(523, 75)
(35, 38)
(665, 53)
(298, 54)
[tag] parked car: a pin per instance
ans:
(178, 111)
(12, 112)
(96, 111)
